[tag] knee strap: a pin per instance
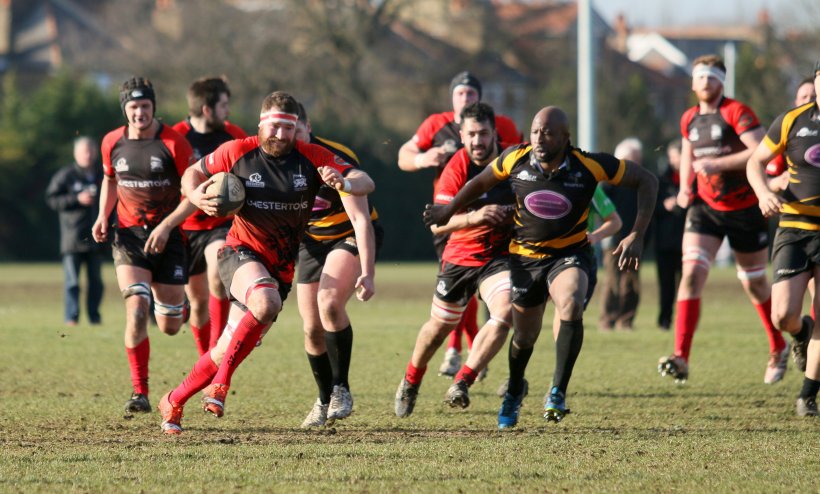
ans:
(139, 289)
(260, 283)
(751, 273)
(500, 323)
(696, 255)
(447, 315)
(175, 311)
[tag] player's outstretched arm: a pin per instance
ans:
(768, 201)
(357, 210)
(631, 247)
(356, 182)
(440, 214)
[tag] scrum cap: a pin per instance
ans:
(465, 79)
(137, 88)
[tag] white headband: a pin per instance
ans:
(276, 116)
(701, 70)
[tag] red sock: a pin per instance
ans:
(686, 322)
(138, 362)
(776, 341)
(470, 321)
(467, 375)
(199, 377)
(414, 375)
(813, 315)
(244, 340)
(218, 309)
(202, 334)
(455, 337)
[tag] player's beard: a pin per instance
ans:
(215, 124)
(479, 154)
(276, 147)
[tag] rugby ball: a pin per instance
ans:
(229, 191)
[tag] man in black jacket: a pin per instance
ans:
(73, 194)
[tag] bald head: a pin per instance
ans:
(550, 135)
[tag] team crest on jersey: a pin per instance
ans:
(179, 273)
(694, 135)
(441, 287)
(574, 180)
(745, 120)
(121, 165)
(716, 132)
(255, 180)
(526, 176)
(449, 146)
(299, 182)
(547, 204)
(806, 132)
(156, 164)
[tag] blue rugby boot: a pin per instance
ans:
(508, 414)
(555, 407)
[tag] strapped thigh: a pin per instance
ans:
(175, 311)
(261, 283)
(751, 272)
(140, 289)
(697, 256)
(447, 315)
(500, 287)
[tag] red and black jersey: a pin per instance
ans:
(551, 209)
(796, 136)
(441, 129)
(203, 144)
(329, 220)
(474, 245)
(718, 134)
(279, 196)
(148, 174)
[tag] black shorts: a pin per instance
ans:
(747, 229)
(230, 258)
(169, 267)
(795, 251)
(313, 253)
(198, 240)
(457, 284)
(531, 278)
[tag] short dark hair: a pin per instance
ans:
(480, 112)
(137, 88)
(710, 60)
(281, 101)
(301, 115)
(206, 92)
(807, 80)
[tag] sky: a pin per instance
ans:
(654, 13)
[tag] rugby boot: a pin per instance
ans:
(171, 415)
(138, 403)
(508, 413)
(800, 348)
(317, 416)
(778, 363)
(458, 395)
(451, 364)
(807, 407)
(406, 398)
(502, 390)
(341, 403)
(674, 366)
(213, 399)
(555, 406)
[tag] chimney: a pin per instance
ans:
(621, 33)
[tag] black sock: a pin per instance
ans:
(810, 388)
(320, 365)
(518, 358)
(567, 348)
(806, 329)
(339, 349)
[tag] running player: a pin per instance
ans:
(282, 177)
(777, 169)
(552, 181)
(330, 269)
(205, 129)
(143, 162)
(719, 135)
(796, 253)
(434, 143)
(474, 259)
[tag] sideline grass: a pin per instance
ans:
(62, 427)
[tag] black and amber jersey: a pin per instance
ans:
(718, 134)
(279, 195)
(796, 134)
(551, 209)
(148, 173)
(328, 219)
(204, 144)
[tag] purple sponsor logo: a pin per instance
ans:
(547, 204)
(812, 155)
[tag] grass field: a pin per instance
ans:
(62, 390)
